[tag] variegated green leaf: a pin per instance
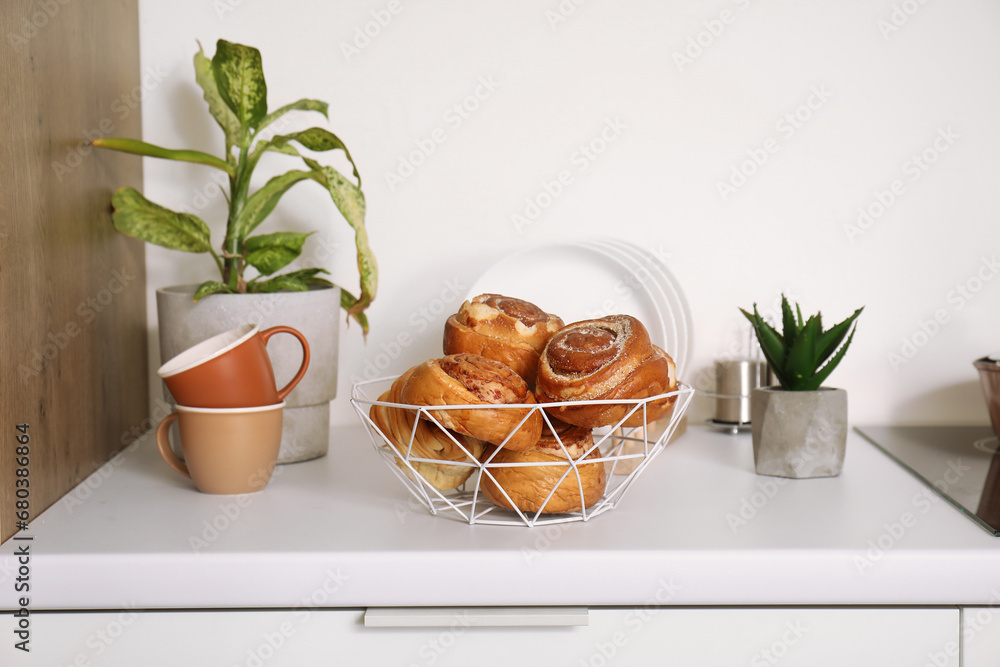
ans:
(311, 276)
(347, 302)
(222, 114)
(271, 252)
(319, 140)
(284, 149)
(210, 287)
(239, 75)
(282, 283)
(351, 203)
(137, 147)
(136, 216)
(260, 204)
(300, 105)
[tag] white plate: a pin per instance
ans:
(660, 329)
(587, 280)
(573, 281)
(666, 290)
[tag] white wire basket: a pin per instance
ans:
(624, 452)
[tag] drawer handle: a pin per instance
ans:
(479, 617)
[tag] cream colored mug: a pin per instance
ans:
(226, 450)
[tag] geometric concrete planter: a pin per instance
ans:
(316, 313)
(799, 434)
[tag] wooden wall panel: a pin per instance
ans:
(72, 290)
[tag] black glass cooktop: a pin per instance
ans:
(961, 463)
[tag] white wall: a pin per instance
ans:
(888, 80)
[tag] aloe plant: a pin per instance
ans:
(803, 355)
(236, 93)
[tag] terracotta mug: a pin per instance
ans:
(226, 451)
(230, 370)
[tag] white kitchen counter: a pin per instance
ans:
(341, 532)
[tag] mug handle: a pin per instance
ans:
(163, 443)
(267, 333)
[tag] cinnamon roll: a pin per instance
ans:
(511, 331)
(611, 358)
(528, 487)
(470, 379)
(399, 426)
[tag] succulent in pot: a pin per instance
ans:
(803, 355)
(236, 94)
(800, 428)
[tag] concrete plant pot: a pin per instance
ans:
(316, 313)
(799, 434)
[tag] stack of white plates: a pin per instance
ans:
(590, 279)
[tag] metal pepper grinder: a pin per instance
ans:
(735, 381)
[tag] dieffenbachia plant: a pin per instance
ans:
(797, 355)
(236, 93)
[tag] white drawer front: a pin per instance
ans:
(758, 637)
(981, 636)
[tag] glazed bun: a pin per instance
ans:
(469, 379)
(558, 479)
(418, 438)
(610, 358)
(511, 331)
